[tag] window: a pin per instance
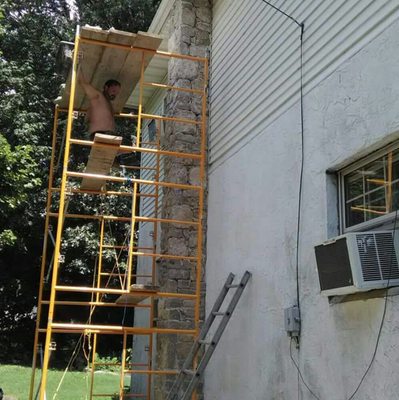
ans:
(370, 190)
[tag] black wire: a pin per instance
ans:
(300, 374)
(383, 313)
(282, 12)
(302, 26)
(300, 189)
(298, 232)
(300, 181)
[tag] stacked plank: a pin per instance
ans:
(100, 63)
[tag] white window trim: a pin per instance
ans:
(376, 222)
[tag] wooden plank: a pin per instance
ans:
(131, 70)
(148, 40)
(101, 160)
(112, 62)
(91, 56)
(101, 63)
(137, 294)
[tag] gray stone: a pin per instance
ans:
(187, 30)
(202, 3)
(190, 25)
(204, 26)
(170, 286)
(204, 14)
(184, 69)
(174, 303)
(177, 246)
(189, 129)
(188, 312)
(184, 83)
(179, 273)
(170, 314)
(196, 105)
(197, 51)
(197, 83)
(187, 138)
(178, 175)
(187, 13)
(194, 176)
(201, 38)
(193, 241)
(182, 212)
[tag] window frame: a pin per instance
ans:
(375, 222)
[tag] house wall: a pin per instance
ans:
(351, 107)
(255, 50)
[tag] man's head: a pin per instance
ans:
(111, 89)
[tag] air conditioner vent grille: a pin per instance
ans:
(377, 256)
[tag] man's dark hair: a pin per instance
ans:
(111, 82)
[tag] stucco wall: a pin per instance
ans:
(252, 216)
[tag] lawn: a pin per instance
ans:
(15, 382)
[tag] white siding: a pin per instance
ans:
(147, 204)
(256, 57)
(351, 108)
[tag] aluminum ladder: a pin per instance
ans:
(208, 347)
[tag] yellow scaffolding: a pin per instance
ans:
(127, 291)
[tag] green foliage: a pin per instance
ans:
(30, 32)
(7, 239)
(18, 171)
(28, 81)
(107, 363)
(127, 15)
(110, 363)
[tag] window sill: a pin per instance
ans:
(385, 222)
(362, 296)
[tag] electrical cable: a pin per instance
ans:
(302, 26)
(300, 189)
(298, 231)
(383, 313)
(300, 374)
(282, 12)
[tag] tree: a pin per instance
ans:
(19, 188)
(127, 15)
(29, 35)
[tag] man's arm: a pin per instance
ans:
(90, 91)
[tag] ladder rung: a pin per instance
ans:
(200, 368)
(188, 372)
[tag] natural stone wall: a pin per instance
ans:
(190, 34)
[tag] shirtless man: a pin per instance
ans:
(100, 114)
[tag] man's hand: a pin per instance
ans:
(90, 91)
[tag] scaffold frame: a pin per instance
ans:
(43, 334)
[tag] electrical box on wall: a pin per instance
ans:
(292, 321)
(358, 261)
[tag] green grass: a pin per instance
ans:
(15, 382)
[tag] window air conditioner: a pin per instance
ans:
(357, 262)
